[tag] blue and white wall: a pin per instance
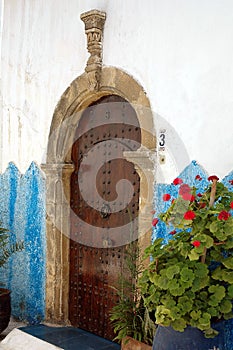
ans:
(180, 51)
(22, 211)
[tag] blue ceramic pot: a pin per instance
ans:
(166, 338)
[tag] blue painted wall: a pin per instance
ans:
(188, 175)
(22, 211)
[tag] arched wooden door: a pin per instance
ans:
(104, 209)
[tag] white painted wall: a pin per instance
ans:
(180, 51)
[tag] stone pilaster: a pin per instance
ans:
(144, 163)
(57, 225)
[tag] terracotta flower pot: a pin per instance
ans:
(131, 344)
(5, 308)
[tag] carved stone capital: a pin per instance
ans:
(94, 21)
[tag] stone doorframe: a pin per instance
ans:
(59, 167)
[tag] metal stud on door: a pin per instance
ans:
(104, 208)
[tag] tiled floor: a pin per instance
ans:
(68, 338)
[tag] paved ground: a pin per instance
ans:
(68, 338)
(13, 324)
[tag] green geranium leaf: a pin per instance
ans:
(177, 291)
(214, 226)
(193, 255)
(175, 313)
(220, 235)
(218, 291)
(228, 276)
(186, 274)
(217, 274)
(203, 295)
(209, 242)
(162, 282)
(200, 283)
(168, 302)
(228, 262)
(228, 226)
(204, 321)
(173, 284)
(225, 306)
(162, 315)
(201, 270)
(195, 315)
(172, 271)
(213, 311)
(230, 291)
(228, 316)
(179, 325)
(185, 306)
(213, 301)
(228, 245)
(187, 285)
(210, 332)
(190, 294)
(155, 278)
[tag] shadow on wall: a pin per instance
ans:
(22, 212)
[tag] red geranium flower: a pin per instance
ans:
(184, 189)
(196, 243)
(224, 215)
(231, 205)
(198, 177)
(213, 177)
(188, 197)
(177, 181)
(199, 195)
(155, 221)
(172, 232)
(231, 182)
(189, 215)
(166, 197)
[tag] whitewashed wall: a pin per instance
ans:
(180, 51)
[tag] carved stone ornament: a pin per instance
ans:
(94, 21)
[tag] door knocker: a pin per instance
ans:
(105, 211)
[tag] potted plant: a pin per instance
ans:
(6, 250)
(189, 281)
(131, 320)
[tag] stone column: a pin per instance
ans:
(58, 230)
(144, 162)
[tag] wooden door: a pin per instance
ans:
(104, 208)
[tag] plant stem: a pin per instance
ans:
(204, 255)
(212, 193)
(212, 199)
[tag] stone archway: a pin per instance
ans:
(58, 169)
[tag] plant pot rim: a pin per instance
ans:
(129, 340)
(4, 291)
